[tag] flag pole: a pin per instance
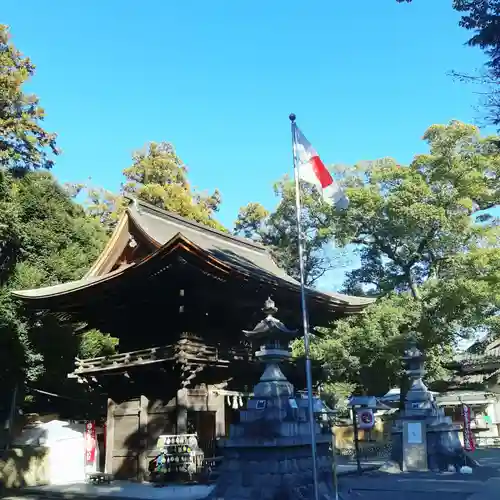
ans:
(305, 316)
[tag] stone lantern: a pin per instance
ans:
(275, 339)
(419, 400)
(423, 438)
(268, 454)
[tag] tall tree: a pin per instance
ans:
(23, 142)
(45, 238)
(158, 176)
(410, 220)
(482, 17)
(429, 248)
(102, 205)
(55, 242)
(278, 230)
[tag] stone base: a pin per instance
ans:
(443, 450)
(273, 474)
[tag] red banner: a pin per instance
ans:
(469, 444)
(90, 443)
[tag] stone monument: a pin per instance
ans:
(268, 454)
(423, 438)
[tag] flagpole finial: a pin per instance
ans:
(292, 117)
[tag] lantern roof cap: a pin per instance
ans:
(270, 326)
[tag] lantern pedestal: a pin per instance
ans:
(423, 438)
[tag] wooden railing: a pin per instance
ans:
(197, 351)
(184, 351)
(123, 360)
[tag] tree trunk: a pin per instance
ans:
(404, 387)
(413, 287)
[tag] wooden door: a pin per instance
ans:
(126, 439)
(133, 428)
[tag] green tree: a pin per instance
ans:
(23, 142)
(157, 176)
(482, 17)
(45, 238)
(278, 230)
(105, 206)
(55, 242)
(429, 248)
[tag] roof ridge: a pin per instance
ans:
(165, 215)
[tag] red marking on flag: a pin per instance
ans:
(321, 172)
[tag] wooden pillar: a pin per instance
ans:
(218, 404)
(110, 437)
(182, 409)
(142, 469)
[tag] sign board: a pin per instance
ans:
(90, 443)
(366, 419)
(414, 446)
(415, 433)
(261, 404)
(469, 443)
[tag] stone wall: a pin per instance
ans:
(24, 466)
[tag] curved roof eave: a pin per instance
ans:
(69, 288)
(251, 246)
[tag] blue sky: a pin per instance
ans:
(218, 80)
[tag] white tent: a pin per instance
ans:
(65, 444)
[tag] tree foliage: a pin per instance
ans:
(411, 221)
(429, 248)
(482, 17)
(45, 237)
(23, 142)
(278, 230)
(157, 176)
(55, 242)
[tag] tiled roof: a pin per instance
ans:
(161, 227)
